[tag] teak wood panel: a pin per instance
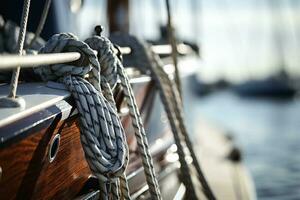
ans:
(27, 172)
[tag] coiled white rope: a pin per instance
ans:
(111, 63)
(102, 136)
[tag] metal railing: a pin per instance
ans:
(14, 60)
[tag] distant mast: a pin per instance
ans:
(118, 16)
(276, 14)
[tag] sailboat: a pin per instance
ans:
(41, 153)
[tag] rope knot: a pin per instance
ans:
(102, 135)
(67, 42)
(107, 58)
(112, 68)
(138, 56)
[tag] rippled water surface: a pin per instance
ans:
(267, 131)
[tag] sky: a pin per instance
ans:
(240, 40)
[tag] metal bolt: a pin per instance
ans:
(99, 29)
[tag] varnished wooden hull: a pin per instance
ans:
(28, 173)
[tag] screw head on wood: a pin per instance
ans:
(99, 29)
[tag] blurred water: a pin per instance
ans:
(267, 131)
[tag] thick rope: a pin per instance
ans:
(172, 104)
(177, 109)
(144, 64)
(102, 135)
(110, 62)
(21, 39)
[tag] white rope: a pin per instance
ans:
(172, 41)
(148, 61)
(110, 63)
(174, 102)
(21, 39)
(82, 90)
(102, 135)
(42, 21)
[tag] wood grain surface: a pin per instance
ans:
(27, 172)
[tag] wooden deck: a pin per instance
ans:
(228, 179)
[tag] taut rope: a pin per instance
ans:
(148, 61)
(21, 39)
(102, 135)
(172, 41)
(42, 21)
(174, 102)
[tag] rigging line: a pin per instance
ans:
(171, 98)
(178, 109)
(173, 43)
(41, 22)
(20, 45)
(150, 63)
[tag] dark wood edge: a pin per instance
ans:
(28, 125)
(31, 124)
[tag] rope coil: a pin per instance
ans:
(110, 61)
(105, 146)
(102, 135)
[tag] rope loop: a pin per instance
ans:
(87, 64)
(111, 66)
(102, 135)
(138, 57)
(106, 57)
